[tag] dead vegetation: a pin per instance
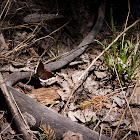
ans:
(66, 36)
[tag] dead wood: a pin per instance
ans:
(44, 115)
(20, 123)
(32, 18)
(15, 77)
(82, 46)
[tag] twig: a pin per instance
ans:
(103, 118)
(23, 26)
(125, 96)
(136, 47)
(126, 21)
(126, 135)
(125, 110)
(101, 130)
(7, 126)
(4, 8)
(23, 43)
(67, 53)
(82, 77)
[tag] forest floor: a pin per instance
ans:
(101, 100)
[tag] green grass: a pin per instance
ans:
(55, 55)
(122, 56)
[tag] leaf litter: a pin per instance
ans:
(92, 101)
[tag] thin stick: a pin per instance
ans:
(23, 26)
(126, 21)
(104, 117)
(23, 43)
(126, 135)
(90, 66)
(125, 97)
(101, 130)
(4, 8)
(34, 41)
(125, 110)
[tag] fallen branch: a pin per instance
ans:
(44, 115)
(82, 46)
(20, 123)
